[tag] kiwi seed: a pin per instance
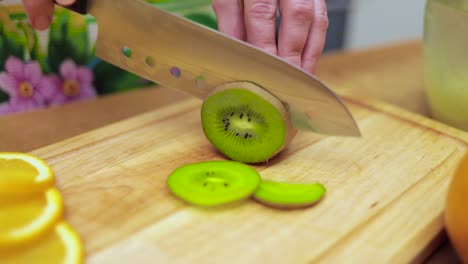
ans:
(212, 183)
(246, 123)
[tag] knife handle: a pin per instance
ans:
(80, 6)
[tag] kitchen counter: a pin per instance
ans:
(393, 74)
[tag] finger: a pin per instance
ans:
(296, 20)
(316, 39)
(230, 17)
(39, 12)
(260, 24)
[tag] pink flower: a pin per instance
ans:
(24, 83)
(75, 83)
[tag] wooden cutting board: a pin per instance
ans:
(386, 192)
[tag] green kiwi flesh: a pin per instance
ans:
(289, 195)
(212, 183)
(246, 123)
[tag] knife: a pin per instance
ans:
(178, 53)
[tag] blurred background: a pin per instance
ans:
(354, 24)
(357, 24)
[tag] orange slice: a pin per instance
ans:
(25, 218)
(61, 245)
(456, 213)
(22, 173)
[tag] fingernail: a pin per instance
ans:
(67, 2)
(41, 22)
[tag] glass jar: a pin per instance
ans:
(446, 60)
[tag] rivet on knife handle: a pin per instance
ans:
(80, 6)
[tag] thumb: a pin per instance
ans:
(39, 12)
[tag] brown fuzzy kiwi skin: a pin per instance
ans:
(291, 132)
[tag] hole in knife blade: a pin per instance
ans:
(175, 72)
(149, 61)
(127, 52)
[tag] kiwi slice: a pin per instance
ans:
(246, 123)
(289, 195)
(210, 183)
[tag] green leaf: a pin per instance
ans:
(18, 16)
(180, 6)
(3, 97)
(204, 19)
(111, 79)
(11, 44)
(31, 40)
(67, 41)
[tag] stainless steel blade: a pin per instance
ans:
(180, 54)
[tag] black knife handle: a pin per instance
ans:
(80, 6)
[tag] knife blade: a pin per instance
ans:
(178, 53)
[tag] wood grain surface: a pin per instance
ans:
(385, 197)
(392, 73)
(32, 130)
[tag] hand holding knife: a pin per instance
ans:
(195, 59)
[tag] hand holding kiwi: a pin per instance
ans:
(246, 123)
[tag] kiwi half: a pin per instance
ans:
(246, 123)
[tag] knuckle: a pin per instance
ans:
(294, 59)
(321, 20)
(262, 10)
(302, 10)
(313, 58)
(32, 4)
(216, 4)
(293, 50)
(310, 64)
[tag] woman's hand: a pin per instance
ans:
(302, 31)
(40, 11)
